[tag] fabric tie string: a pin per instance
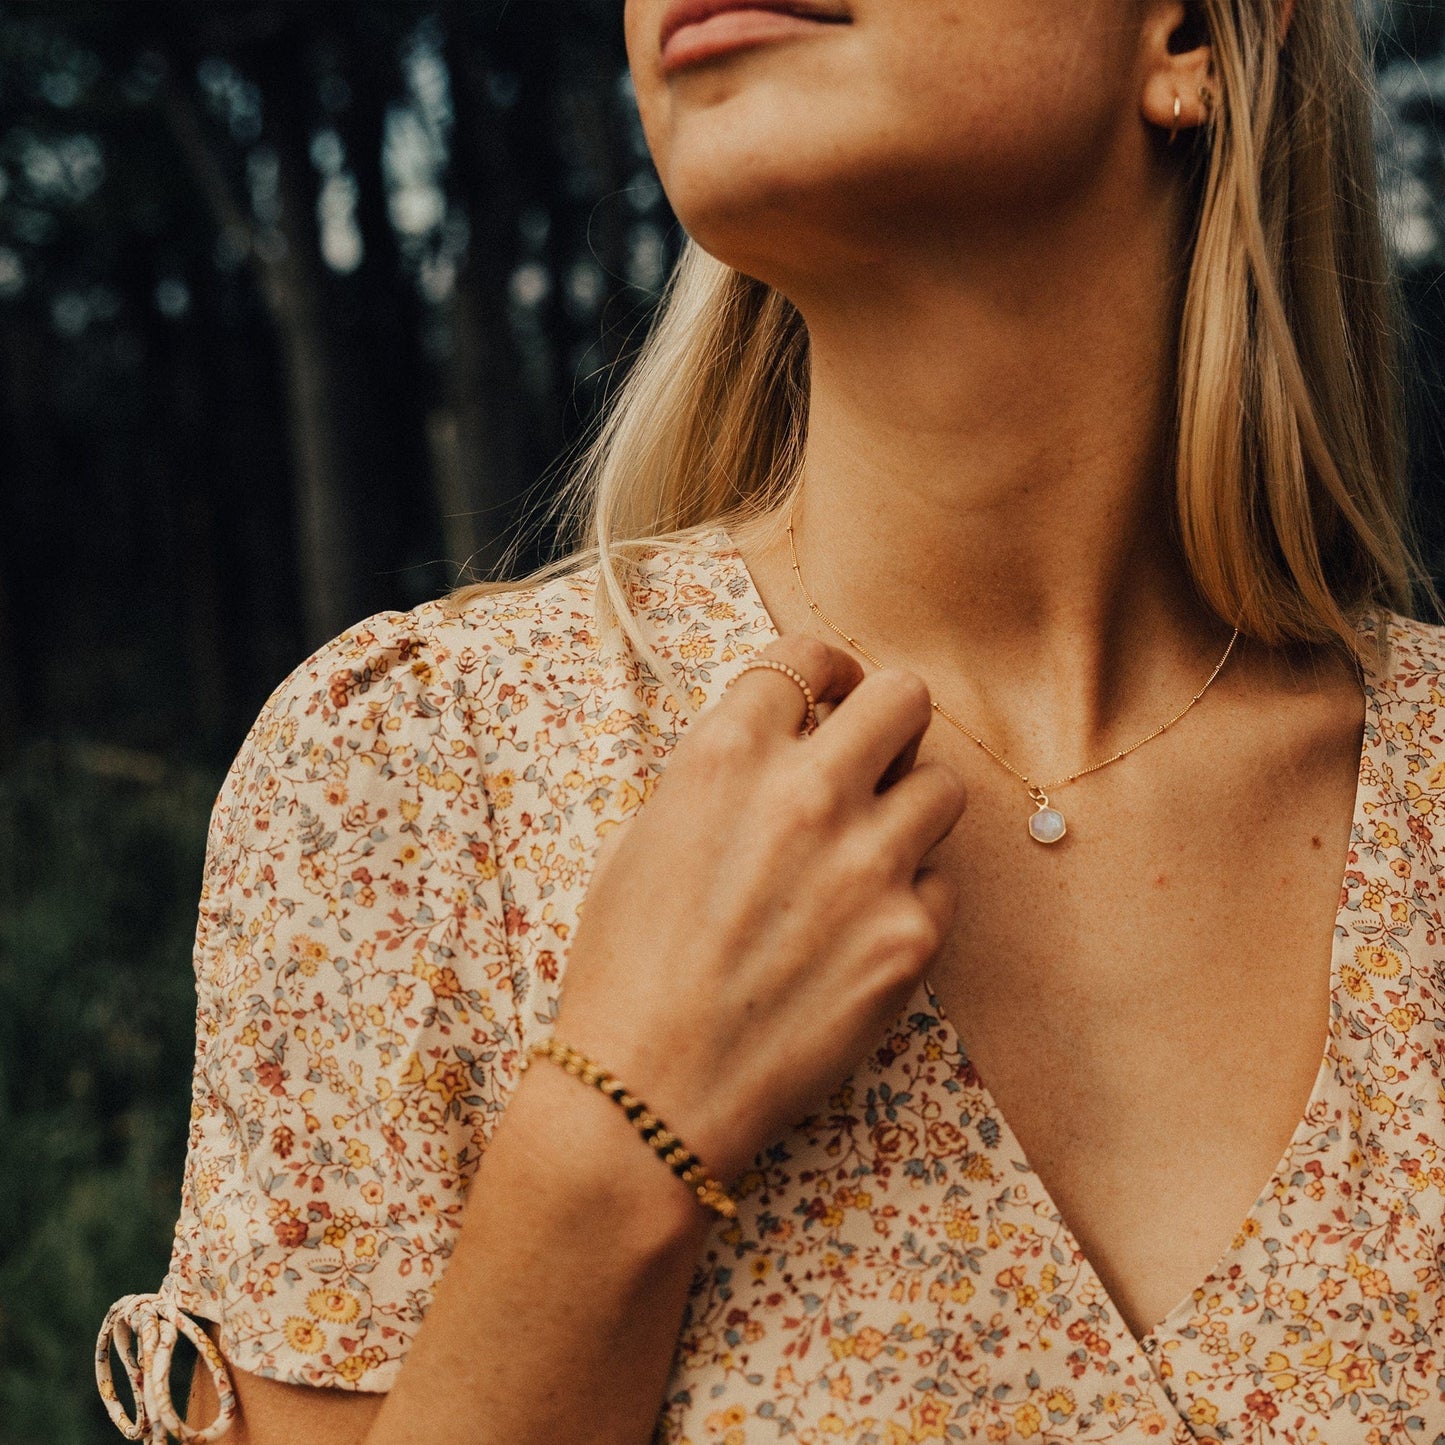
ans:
(144, 1328)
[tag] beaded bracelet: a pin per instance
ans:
(668, 1147)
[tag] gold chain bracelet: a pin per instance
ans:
(665, 1144)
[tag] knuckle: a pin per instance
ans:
(897, 974)
(810, 655)
(728, 738)
(908, 687)
(951, 782)
(811, 802)
(914, 935)
(862, 864)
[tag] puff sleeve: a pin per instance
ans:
(356, 1034)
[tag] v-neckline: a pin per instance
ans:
(1333, 1059)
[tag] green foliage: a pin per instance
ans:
(100, 867)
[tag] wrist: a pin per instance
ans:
(651, 1129)
(590, 1152)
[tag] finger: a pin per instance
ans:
(938, 892)
(919, 811)
(774, 700)
(873, 735)
(901, 766)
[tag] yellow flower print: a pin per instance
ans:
(358, 1154)
(831, 1424)
(1374, 1283)
(868, 1342)
(207, 1178)
(959, 1225)
(1060, 1402)
(1385, 835)
(930, 1419)
(318, 873)
(1247, 1230)
(1318, 1356)
(1384, 962)
(499, 787)
(307, 954)
(727, 1419)
(352, 1368)
(304, 1335)
(1354, 1372)
(1203, 1412)
(1027, 1420)
(1356, 984)
(373, 1193)
(442, 980)
(339, 1306)
(447, 780)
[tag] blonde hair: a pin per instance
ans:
(1289, 433)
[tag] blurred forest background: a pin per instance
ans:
(300, 304)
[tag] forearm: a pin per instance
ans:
(559, 1310)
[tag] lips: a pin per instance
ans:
(682, 13)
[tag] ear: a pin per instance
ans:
(1177, 58)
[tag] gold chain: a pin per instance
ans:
(1037, 791)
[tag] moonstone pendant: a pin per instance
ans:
(1047, 825)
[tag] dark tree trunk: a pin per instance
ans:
(289, 275)
(477, 455)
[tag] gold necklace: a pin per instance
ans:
(1047, 824)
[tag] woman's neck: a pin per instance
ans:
(986, 496)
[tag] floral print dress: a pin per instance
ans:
(393, 873)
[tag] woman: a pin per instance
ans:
(1061, 337)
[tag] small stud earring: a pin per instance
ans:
(1174, 129)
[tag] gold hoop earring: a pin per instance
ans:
(1174, 129)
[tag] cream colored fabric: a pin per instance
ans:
(394, 869)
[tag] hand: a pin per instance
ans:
(751, 931)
